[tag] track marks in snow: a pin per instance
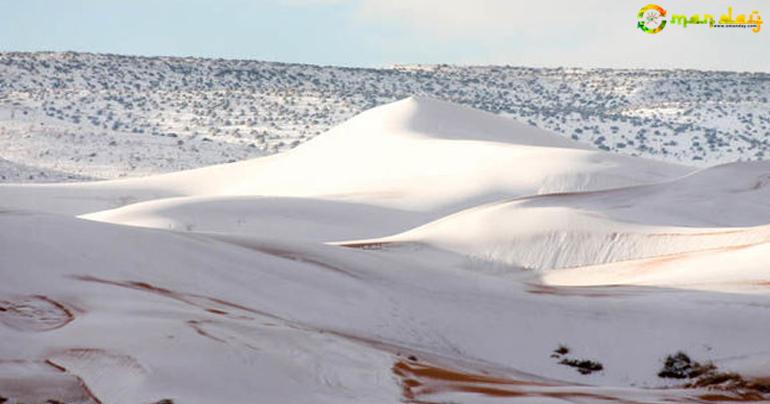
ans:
(209, 304)
(42, 381)
(34, 313)
(304, 258)
(584, 291)
(100, 372)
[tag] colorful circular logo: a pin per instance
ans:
(651, 19)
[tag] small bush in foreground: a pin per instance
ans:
(680, 366)
(583, 366)
(560, 351)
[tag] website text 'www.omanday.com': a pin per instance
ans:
(653, 19)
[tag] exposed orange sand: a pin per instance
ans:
(419, 380)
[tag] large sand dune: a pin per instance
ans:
(482, 246)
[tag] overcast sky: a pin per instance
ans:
(582, 33)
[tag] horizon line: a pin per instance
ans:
(393, 66)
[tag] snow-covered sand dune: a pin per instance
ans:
(229, 283)
(720, 207)
(205, 319)
(389, 156)
(385, 171)
(742, 267)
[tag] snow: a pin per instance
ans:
(368, 162)
(419, 251)
(79, 116)
(563, 230)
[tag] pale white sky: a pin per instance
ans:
(589, 33)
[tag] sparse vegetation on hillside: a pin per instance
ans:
(144, 115)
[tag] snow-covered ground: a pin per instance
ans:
(79, 116)
(421, 251)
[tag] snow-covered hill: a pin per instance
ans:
(722, 207)
(391, 260)
(389, 157)
(74, 116)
